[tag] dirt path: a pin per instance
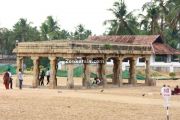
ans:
(126, 103)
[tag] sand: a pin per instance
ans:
(125, 103)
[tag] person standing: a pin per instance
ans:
(20, 77)
(42, 77)
(48, 76)
(10, 79)
(6, 80)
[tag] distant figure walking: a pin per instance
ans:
(42, 77)
(48, 76)
(10, 79)
(20, 77)
(6, 80)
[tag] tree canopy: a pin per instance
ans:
(157, 17)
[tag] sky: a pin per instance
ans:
(68, 13)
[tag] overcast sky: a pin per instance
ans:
(68, 13)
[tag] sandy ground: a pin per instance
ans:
(125, 103)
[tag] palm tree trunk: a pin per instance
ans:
(117, 29)
(152, 28)
(162, 23)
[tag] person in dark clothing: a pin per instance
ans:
(176, 90)
(42, 77)
(96, 81)
(6, 80)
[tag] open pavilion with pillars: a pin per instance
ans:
(91, 49)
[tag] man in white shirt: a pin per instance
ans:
(10, 79)
(48, 75)
(20, 77)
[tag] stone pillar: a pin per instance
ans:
(22, 62)
(86, 75)
(70, 81)
(102, 72)
(133, 71)
(130, 72)
(99, 70)
(117, 71)
(147, 62)
(115, 76)
(19, 66)
(148, 81)
(35, 81)
(53, 80)
(120, 81)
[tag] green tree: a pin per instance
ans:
(7, 41)
(63, 34)
(23, 31)
(81, 33)
(124, 22)
(174, 14)
(2, 40)
(150, 20)
(50, 30)
(163, 11)
(173, 20)
(44, 31)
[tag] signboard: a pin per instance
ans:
(166, 93)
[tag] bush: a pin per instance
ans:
(172, 75)
(107, 46)
(28, 69)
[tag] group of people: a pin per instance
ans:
(8, 81)
(175, 91)
(42, 75)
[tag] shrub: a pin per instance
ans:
(107, 46)
(28, 69)
(172, 75)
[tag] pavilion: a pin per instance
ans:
(99, 48)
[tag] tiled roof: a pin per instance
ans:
(130, 39)
(160, 48)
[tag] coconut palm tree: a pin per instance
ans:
(81, 33)
(174, 15)
(163, 12)
(44, 31)
(21, 29)
(124, 22)
(151, 18)
(49, 29)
